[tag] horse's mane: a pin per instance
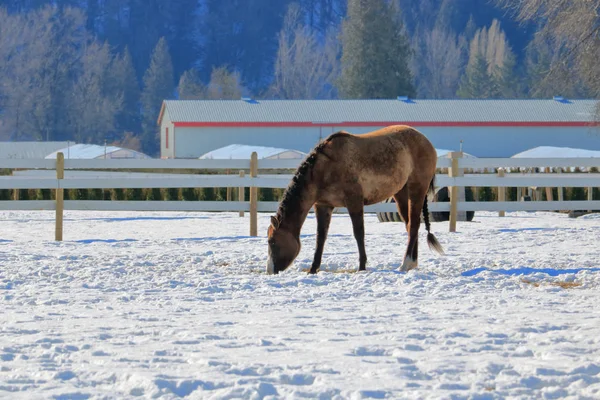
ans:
(291, 197)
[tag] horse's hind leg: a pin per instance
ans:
(401, 199)
(323, 214)
(416, 196)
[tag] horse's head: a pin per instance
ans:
(283, 247)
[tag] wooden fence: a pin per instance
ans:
(109, 174)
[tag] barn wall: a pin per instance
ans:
(194, 142)
(508, 141)
(478, 141)
(166, 123)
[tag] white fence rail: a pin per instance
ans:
(109, 174)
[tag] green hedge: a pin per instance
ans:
(264, 194)
(175, 194)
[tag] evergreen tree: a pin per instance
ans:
(477, 83)
(320, 16)
(242, 34)
(123, 77)
(158, 86)
(471, 28)
(145, 26)
(507, 80)
(181, 33)
(190, 86)
(375, 52)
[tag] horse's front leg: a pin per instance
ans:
(323, 214)
(356, 211)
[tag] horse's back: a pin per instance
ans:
(397, 145)
(382, 161)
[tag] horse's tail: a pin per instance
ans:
(431, 240)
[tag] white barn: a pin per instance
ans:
(487, 128)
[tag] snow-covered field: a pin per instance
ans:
(177, 304)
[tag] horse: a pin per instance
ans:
(348, 170)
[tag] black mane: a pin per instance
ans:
(291, 197)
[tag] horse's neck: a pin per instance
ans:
(294, 219)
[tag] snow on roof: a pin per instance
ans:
(93, 151)
(444, 153)
(556, 152)
(241, 151)
(29, 149)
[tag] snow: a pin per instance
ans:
(243, 152)
(444, 153)
(556, 152)
(166, 305)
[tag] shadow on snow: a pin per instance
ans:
(529, 271)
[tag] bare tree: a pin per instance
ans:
(305, 68)
(438, 63)
(17, 74)
(573, 28)
(94, 103)
(39, 52)
(542, 56)
(225, 85)
(491, 45)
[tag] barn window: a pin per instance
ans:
(167, 138)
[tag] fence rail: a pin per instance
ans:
(117, 174)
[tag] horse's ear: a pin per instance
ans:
(275, 222)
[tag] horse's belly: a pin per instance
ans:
(377, 189)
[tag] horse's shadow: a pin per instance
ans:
(529, 271)
(516, 230)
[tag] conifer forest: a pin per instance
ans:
(92, 71)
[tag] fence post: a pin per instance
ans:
(590, 195)
(241, 195)
(254, 196)
(475, 189)
(60, 203)
(228, 190)
(549, 196)
(560, 188)
(501, 192)
(454, 172)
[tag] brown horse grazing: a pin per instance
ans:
(352, 171)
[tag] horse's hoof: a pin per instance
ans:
(408, 265)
